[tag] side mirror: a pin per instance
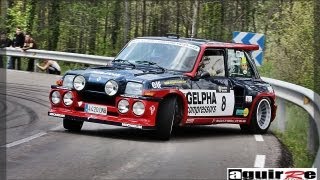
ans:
(204, 75)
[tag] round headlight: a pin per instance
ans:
(138, 108)
(123, 106)
(79, 82)
(55, 97)
(111, 87)
(68, 98)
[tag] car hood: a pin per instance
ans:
(96, 78)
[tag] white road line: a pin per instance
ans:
(260, 160)
(56, 128)
(258, 137)
(25, 140)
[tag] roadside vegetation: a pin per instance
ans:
(103, 27)
(296, 136)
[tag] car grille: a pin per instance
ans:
(97, 98)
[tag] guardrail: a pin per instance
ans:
(56, 55)
(309, 101)
(300, 96)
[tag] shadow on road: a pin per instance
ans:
(178, 134)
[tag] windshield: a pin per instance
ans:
(167, 54)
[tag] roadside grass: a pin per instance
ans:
(296, 136)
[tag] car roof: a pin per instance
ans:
(206, 43)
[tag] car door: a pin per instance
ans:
(211, 94)
(243, 75)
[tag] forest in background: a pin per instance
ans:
(102, 27)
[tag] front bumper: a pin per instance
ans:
(113, 117)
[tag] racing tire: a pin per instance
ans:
(261, 117)
(165, 118)
(244, 128)
(72, 125)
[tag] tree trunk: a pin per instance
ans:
(54, 22)
(178, 17)
(136, 29)
(106, 28)
(317, 45)
(222, 24)
(3, 11)
(33, 4)
(126, 21)
(144, 17)
(116, 21)
(194, 19)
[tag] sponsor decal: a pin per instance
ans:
(175, 81)
(80, 103)
(222, 89)
(57, 115)
(270, 89)
(132, 125)
(129, 96)
(191, 46)
(156, 84)
(239, 112)
(152, 109)
(245, 112)
(272, 173)
(190, 121)
(209, 103)
(248, 99)
(228, 121)
(96, 73)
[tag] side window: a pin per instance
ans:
(238, 65)
(213, 63)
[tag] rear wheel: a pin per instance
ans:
(261, 118)
(165, 118)
(72, 125)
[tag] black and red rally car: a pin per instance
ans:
(160, 82)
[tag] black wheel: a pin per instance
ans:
(261, 117)
(244, 128)
(72, 125)
(165, 118)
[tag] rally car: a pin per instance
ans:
(158, 83)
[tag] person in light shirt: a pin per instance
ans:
(52, 67)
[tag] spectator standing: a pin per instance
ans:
(29, 43)
(4, 42)
(18, 42)
(52, 67)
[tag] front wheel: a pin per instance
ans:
(165, 118)
(72, 125)
(261, 118)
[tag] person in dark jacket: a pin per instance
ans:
(29, 43)
(18, 42)
(4, 42)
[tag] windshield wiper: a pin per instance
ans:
(121, 62)
(152, 64)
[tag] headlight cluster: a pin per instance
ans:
(138, 107)
(67, 98)
(55, 97)
(111, 87)
(134, 88)
(123, 106)
(79, 82)
(68, 81)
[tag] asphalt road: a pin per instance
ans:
(39, 148)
